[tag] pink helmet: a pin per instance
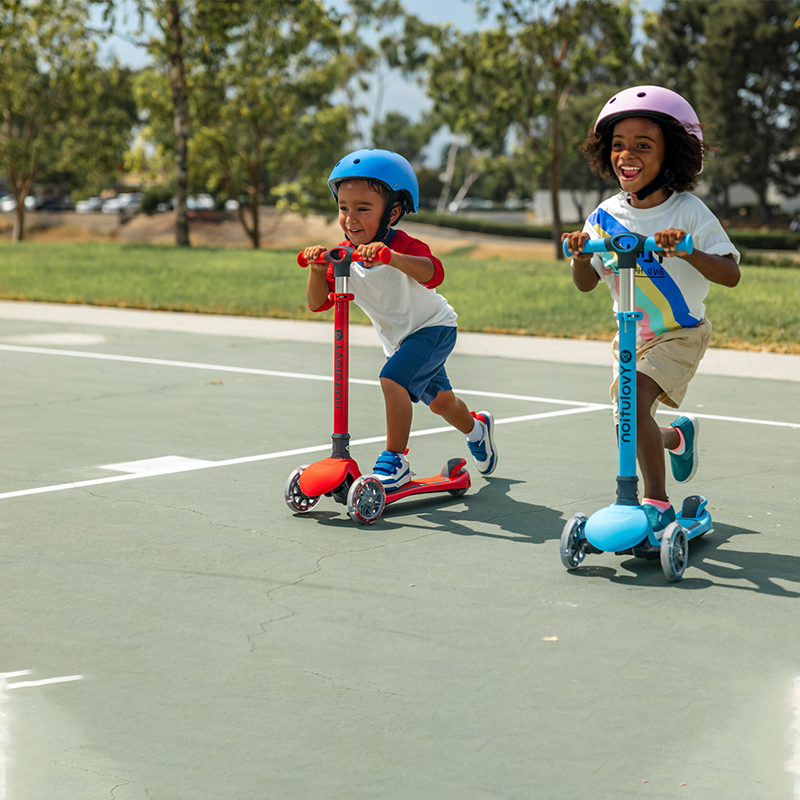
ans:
(649, 101)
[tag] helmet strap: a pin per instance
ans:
(663, 179)
(386, 219)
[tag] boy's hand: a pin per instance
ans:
(575, 242)
(312, 254)
(369, 252)
(668, 240)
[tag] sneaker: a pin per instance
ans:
(684, 466)
(658, 519)
(392, 470)
(484, 451)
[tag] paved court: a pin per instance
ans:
(171, 630)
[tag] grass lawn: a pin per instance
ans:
(525, 297)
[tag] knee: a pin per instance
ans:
(442, 404)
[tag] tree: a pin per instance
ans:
(750, 97)
(259, 78)
(170, 57)
(60, 112)
(515, 81)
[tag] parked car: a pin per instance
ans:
(126, 203)
(55, 204)
(8, 203)
(200, 202)
(89, 205)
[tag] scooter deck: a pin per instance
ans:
(453, 478)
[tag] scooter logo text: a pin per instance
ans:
(338, 372)
(625, 391)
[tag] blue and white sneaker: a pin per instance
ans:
(484, 451)
(392, 470)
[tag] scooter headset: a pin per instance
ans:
(654, 102)
(388, 168)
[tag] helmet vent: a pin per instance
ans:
(357, 161)
(641, 94)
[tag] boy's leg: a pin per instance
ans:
(478, 428)
(453, 410)
(399, 413)
(651, 440)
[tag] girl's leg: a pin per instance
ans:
(399, 413)
(652, 440)
(454, 411)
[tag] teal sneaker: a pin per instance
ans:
(658, 519)
(684, 466)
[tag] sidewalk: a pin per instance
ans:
(735, 363)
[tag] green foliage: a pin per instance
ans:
(64, 118)
(738, 62)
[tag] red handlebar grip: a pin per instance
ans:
(384, 255)
(302, 260)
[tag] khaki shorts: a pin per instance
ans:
(671, 360)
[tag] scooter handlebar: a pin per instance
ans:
(338, 254)
(626, 242)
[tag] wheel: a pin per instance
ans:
(457, 492)
(294, 498)
(674, 552)
(572, 553)
(366, 500)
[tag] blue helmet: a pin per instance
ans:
(389, 168)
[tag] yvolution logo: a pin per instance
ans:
(338, 370)
(626, 409)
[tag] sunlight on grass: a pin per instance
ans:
(493, 295)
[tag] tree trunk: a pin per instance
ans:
(555, 185)
(441, 206)
(180, 100)
(255, 232)
(18, 232)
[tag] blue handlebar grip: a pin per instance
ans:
(602, 245)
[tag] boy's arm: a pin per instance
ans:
(718, 269)
(420, 268)
(583, 273)
(317, 288)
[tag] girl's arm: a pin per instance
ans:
(718, 269)
(583, 273)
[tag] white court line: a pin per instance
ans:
(132, 476)
(44, 682)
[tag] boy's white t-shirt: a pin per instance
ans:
(671, 293)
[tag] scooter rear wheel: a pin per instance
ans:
(572, 554)
(295, 499)
(674, 552)
(366, 500)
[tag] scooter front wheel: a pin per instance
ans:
(572, 553)
(674, 552)
(295, 499)
(366, 500)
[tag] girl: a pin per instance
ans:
(649, 140)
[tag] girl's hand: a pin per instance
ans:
(668, 240)
(575, 243)
(369, 252)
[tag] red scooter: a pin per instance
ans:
(339, 476)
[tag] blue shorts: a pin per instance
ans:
(418, 365)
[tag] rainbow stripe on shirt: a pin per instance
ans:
(657, 295)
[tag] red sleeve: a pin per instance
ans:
(401, 242)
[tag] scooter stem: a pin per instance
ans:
(341, 366)
(627, 480)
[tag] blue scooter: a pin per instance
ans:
(623, 527)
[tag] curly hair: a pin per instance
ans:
(683, 154)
